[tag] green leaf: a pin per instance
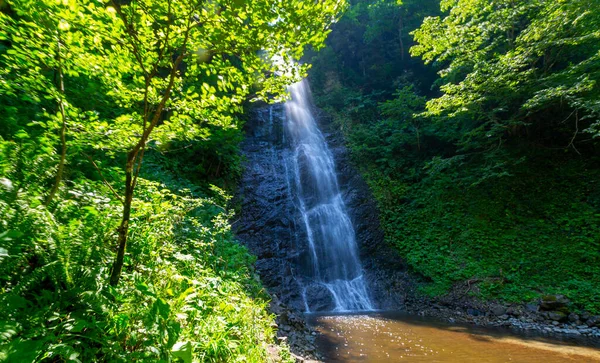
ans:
(183, 351)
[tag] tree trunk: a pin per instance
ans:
(137, 153)
(124, 227)
(400, 28)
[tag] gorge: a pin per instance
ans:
(295, 216)
(434, 195)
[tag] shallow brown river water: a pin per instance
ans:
(396, 337)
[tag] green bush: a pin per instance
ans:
(188, 289)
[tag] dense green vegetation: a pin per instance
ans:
(119, 132)
(486, 174)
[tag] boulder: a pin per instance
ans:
(532, 307)
(474, 312)
(319, 298)
(553, 302)
(593, 321)
(499, 310)
(573, 317)
(556, 316)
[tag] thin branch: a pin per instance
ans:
(141, 145)
(568, 117)
(174, 150)
(104, 179)
(576, 132)
(63, 129)
(166, 42)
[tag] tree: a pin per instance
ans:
(405, 108)
(235, 41)
(169, 67)
(515, 69)
(46, 42)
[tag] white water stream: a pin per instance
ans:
(334, 261)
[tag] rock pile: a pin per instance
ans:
(293, 330)
(552, 314)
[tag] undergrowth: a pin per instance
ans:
(514, 238)
(188, 292)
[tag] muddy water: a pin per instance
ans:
(395, 337)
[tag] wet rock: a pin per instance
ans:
(499, 310)
(573, 318)
(593, 321)
(319, 298)
(474, 312)
(585, 316)
(556, 316)
(532, 307)
(276, 306)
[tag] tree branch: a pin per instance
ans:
(132, 37)
(572, 143)
(104, 179)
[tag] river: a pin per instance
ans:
(398, 337)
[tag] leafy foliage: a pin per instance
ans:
(514, 68)
(188, 289)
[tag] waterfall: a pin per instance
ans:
(333, 261)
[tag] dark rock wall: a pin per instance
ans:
(268, 220)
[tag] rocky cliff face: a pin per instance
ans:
(268, 221)
(270, 224)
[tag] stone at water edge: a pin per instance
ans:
(475, 312)
(553, 302)
(499, 310)
(532, 307)
(573, 317)
(593, 321)
(585, 316)
(556, 316)
(319, 298)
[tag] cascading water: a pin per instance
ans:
(333, 256)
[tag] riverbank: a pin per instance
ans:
(516, 324)
(541, 318)
(544, 316)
